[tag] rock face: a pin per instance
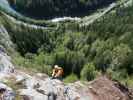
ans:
(5, 40)
(105, 89)
(41, 87)
(6, 67)
(5, 64)
(6, 92)
(100, 89)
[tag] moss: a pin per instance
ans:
(71, 78)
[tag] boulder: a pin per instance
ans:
(6, 92)
(5, 63)
(32, 94)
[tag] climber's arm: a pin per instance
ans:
(59, 73)
(53, 73)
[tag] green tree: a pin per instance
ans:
(122, 57)
(101, 51)
(88, 72)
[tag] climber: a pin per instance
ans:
(57, 72)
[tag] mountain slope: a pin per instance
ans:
(86, 48)
(38, 86)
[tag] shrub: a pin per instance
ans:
(45, 69)
(88, 72)
(71, 78)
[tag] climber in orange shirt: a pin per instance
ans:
(57, 72)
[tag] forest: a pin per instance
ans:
(52, 8)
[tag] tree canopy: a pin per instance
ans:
(54, 8)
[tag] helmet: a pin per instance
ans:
(56, 66)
